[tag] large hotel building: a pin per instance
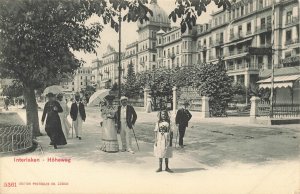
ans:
(241, 36)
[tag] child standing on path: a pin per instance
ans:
(163, 144)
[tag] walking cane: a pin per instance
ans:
(176, 137)
(135, 139)
(72, 129)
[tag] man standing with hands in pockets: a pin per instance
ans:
(183, 116)
(126, 117)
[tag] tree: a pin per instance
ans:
(13, 90)
(160, 83)
(37, 38)
(214, 82)
(189, 10)
(130, 88)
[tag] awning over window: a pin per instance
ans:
(233, 43)
(279, 81)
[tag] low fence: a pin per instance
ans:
(15, 138)
(280, 110)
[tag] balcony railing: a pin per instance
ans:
(202, 47)
(230, 53)
(230, 68)
(242, 50)
(293, 20)
(248, 32)
(291, 59)
(243, 66)
(290, 42)
(264, 28)
(236, 36)
(218, 42)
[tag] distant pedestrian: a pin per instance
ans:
(163, 141)
(6, 103)
(109, 130)
(78, 115)
(53, 125)
(65, 125)
(149, 104)
(182, 119)
(126, 116)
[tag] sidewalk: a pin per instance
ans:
(93, 171)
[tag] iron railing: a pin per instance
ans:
(15, 138)
(280, 110)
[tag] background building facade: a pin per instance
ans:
(241, 36)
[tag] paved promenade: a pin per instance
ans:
(222, 156)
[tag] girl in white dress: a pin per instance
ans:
(163, 141)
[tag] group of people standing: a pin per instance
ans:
(117, 120)
(55, 113)
(121, 120)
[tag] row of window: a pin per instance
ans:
(239, 11)
(84, 71)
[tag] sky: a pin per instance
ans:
(128, 32)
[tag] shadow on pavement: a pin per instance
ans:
(185, 170)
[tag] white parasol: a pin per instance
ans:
(97, 97)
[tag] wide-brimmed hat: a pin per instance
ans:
(50, 94)
(109, 97)
(123, 98)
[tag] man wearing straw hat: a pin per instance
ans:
(126, 120)
(183, 116)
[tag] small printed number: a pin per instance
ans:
(10, 184)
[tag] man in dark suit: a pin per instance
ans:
(126, 117)
(182, 119)
(78, 115)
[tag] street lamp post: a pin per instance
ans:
(119, 68)
(272, 75)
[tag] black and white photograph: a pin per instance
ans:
(149, 97)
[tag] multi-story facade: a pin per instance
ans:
(242, 37)
(82, 78)
(109, 69)
(97, 72)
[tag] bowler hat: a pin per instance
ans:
(123, 98)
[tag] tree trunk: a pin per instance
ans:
(32, 110)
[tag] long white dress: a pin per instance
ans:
(65, 125)
(163, 148)
(149, 105)
(109, 131)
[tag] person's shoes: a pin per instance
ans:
(159, 170)
(131, 151)
(123, 150)
(55, 146)
(182, 146)
(76, 136)
(169, 170)
(79, 138)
